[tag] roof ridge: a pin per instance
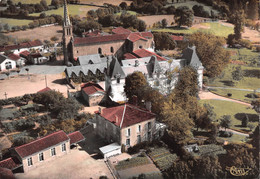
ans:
(122, 120)
(10, 158)
(40, 139)
(138, 108)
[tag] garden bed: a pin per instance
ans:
(133, 162)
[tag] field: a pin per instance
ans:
(235, 110)
(80, 10)
(211, 149)
(133, 162)
(215, 28)
(31, 1)
(36, 33)
(190, 4)
(150, 20)
(14, 22)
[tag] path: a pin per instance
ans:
(209, 95)
(239, 89)
(234, 132)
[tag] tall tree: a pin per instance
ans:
(237, 74)
(252, 9)
(183, 16)
(239, 21)
(211, 52)
(225, 121)
(133, 84)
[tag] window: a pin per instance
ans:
(112, 49)
(127, 141)
(41, 157)
(118, 80)
(139, 128)
(149, 125)
(53, 152)
(140, 46)
(8, 65)
(149, 136)
(128, 132)
(29, 160)
(99, 50)
(138, 139)
(63, 147)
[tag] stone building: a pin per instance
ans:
(41, 151)
(126, 125)
(92, 93)
(117, 44)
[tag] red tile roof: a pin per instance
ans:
(10, 163)
(99, 39)
(145, 53)
(41, 144)
(177, 38)
(25, 53)
(146, 34)
(121, 30)
(91, 88)
(36, 55)
(34, 43)
(76, 137)
(133, 37)
(14, 57)
(130, 115)
(44, 90)
(6, 173)
(129, 56)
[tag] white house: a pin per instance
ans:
(20, 61)
(6, 63)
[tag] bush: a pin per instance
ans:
(229, 94)
(252, 95)
(245, 43)
(225, 134)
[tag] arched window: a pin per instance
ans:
(8, 65)
(112, 49)
(140, 46)
(99, 50)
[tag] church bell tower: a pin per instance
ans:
(67, 35)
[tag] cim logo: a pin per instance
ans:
(238, 171)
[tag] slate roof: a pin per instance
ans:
(146, 53)
(2, 58)
(44, 90)
(10, 163)
(14, 57)
(76, 137)
(85, 68)
(91, 88)
(89, 59)
(121, 30)
(115, 68)
(127, 115)
(191, 57)
(41, 144)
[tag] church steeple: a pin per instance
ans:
(67, 34)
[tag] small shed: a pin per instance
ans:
(110, 150)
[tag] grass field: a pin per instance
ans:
(212, 27)
(190, 4)
(14, 22)
(243, 54)
(235, 138)
(73, 10)
(129, 12)
(235, 110)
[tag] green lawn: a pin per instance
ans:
(243, 54)
(235, 138)
(14, 22)
(30, 1)
(73, 10)
(215, 28)
(129, 12)
(235, 110)
(236, 94)
(190, 4)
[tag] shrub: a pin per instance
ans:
(225, 134)
(229, 94)
(245, 43)
(252, 95)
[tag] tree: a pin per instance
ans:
(141, 25)
(164, 23)
(133, 83)
(55, 3)
(44, 4)
(6, 27)
(163, 41)
(183, 16)
(123, 5)
(245, 121)
(211, 52)
(252, 9)
(225, 121)
(237, 74)
(54, 39)
(239, 20)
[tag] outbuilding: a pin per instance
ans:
(110, 150)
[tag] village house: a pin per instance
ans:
(6, 63)
(41, 151)
(126, 125)
(20, 61)
(92, 93)
(17, 48)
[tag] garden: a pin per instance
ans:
(210, 149)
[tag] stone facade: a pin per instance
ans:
(46, 156)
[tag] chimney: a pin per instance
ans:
(148, 105)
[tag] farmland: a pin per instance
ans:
(14, 22)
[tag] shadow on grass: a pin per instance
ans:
(252, 73)
(228, 83)
(251, 117)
